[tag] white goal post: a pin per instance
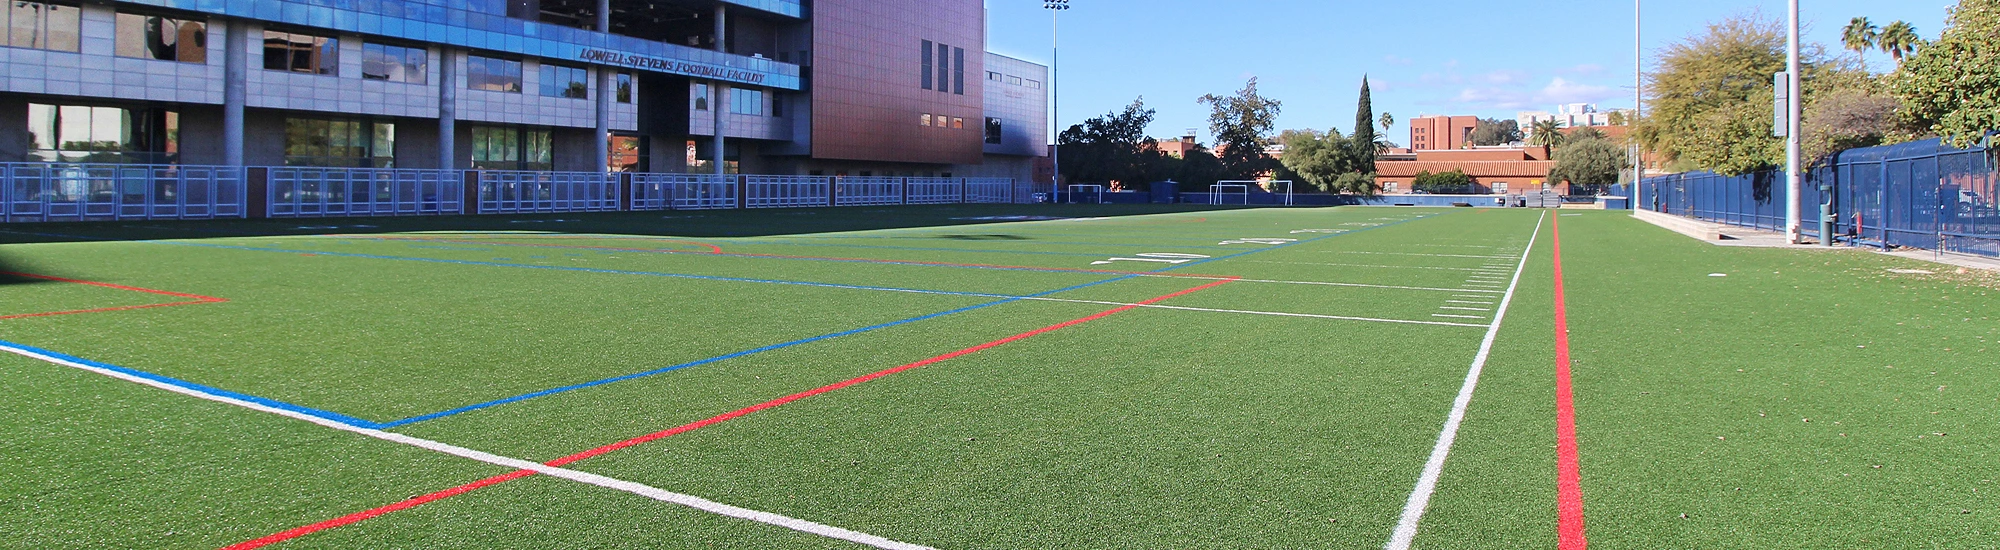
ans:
(1215, 195)
(1073, 188)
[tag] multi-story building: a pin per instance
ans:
(1570, 115)
(837, 87)
(1437, 133)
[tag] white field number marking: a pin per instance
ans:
(1298, 231)
(1258, 240)
(1362, 224)
(1156, 257)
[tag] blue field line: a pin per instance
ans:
(754, 351)
(1035, 241)
(592, 270)
(744, 353)
(272, 403)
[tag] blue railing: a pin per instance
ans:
(300, 192)
(46, 192)
(1919, 195)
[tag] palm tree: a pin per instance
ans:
(1859, 36)
(1387, 120)
(1899, 40)
(1547, 132)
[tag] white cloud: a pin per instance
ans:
(1563, 91)
(1394, 59)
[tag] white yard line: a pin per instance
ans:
(1466, 302)
(1416, 254)
(1269, 313)
(654, 493)
(1420, 496)
(1465, 308)
(1365, 265)
(1457, 316)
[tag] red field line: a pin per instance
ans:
(691, 426)
(194, 298)
(1569, 475)
(717, 251)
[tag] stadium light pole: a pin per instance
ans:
(1638, 108)
(1793, 174)
(1055, 8)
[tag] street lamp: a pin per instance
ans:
(1055, 7)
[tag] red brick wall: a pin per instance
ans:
(867, 74)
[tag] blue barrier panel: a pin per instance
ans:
(40, 192)
(1920, 195)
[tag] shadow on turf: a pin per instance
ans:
(679, 223)
(8, 267)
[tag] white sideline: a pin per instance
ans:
(1366, 265)
(647, 491)
(1420, 496)
(1414, 254)
(1250, 312)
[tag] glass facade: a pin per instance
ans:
(746, 102)
(162, 38)
(512, 148)
(561, 81)
(340, 143)
(301, 53)
(41, 25)
(492, 74)
(84, 133)
(484, 25)
(409, 65)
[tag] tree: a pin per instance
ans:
(1112, 147)
(1616, 118)
(1388, 121)
(1899, 40)
(1453, 182)
(1585, 132)
(1548, 133)
(1847, 118)
(1588, 163)
(1492, 131)
(1199, 169)
(1859, 36)
(1712, 96)
(1240, 123)
(1952, 87)
(1326, 161)
(1363, 141)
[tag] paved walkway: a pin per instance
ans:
(1758, 238)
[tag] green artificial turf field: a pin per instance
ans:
(990, 376)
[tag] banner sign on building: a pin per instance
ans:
(671, 66)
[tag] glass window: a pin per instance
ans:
(624, 87)
(81, 133)
(993, 130)
(624, 153)
(746, 102)
(700, 97)
(944, 68)
(41, 25)
(561, 81)
(1033, 84)
(395, 63)
(162, 38)
(777, 104)
(339, 143)
(928, 63)
(505, 148)
(993, 76)
(492, 74)
(1015, 80)
(958, 71)
(924, 119)
(958, 123)
(301, 53)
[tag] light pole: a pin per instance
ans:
(1638, 108)
(1055, 8)
(1793, 174)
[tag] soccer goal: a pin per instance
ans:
(1217, 195)
(1085, 187)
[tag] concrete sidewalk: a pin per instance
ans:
(1730, 235)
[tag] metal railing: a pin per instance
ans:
(42, 192)
(989, 190)
(683, 192)
(1919, 195)
(517, 192)
(936, 190)
(785, 191)
(866, 191)
(299, 192)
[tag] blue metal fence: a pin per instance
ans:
(42, 192)
(1919, 195)
(302, 192)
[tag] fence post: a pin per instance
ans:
(833, 191)
(906, 190)
(961, 191)
(469, 204)
(257, 192)
(742, 192)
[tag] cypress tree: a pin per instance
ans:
(1364, 132)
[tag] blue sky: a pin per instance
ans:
(1458, 57)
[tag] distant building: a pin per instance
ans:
(1178, 148)
(1494, 170)
(1439, 133)
(1570, 115)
